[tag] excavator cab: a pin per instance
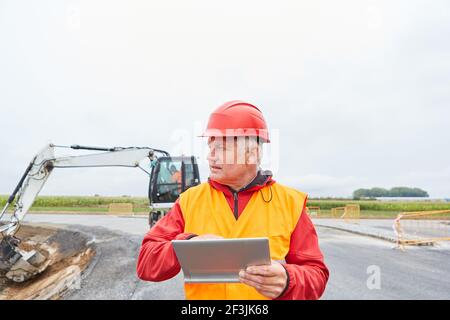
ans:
(170, 177)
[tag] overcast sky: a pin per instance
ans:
(356, 92)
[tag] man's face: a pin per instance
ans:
(228, 159)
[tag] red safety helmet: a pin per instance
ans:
(237, 119)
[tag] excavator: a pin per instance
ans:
(20, 265)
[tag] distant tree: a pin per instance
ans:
(360, 193)
(420, 193)
(378, 192)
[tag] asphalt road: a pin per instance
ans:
(356, 261)
(360, 267)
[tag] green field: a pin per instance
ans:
(373, 205)
(82, 204)
(369, 208)
(372, 209)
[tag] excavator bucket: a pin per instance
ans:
(19, 265)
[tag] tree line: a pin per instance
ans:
(394, 192)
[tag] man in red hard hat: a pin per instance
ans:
(241, 201)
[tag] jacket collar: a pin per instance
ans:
(262, 179)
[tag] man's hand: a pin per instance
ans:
(206, 236)
(270, 281)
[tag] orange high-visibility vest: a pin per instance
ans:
(206, 211)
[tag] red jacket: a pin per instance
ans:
(307, 272)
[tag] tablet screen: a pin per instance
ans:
(220, 260)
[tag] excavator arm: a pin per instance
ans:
(19, 265)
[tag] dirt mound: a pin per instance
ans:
(69, 254)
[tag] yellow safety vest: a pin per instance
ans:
(206, 211)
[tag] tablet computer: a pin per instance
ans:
(220, 260)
